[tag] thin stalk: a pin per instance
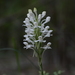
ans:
(40, 64)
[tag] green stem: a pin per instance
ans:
(40, 64)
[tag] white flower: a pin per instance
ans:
(47, 46)
(36, 31)
(49, 33)
(46, 29)
(28, 39)
(31, 15)
(40, 39)
(43, 13)
(47, 20)
(27, 45)
(26, 20)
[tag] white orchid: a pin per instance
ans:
(36, 31)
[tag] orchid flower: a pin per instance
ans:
(36, 31)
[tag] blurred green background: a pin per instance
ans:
(62, 54)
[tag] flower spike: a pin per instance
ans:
(36, 31)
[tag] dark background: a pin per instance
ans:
(62, 54)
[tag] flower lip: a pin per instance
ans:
(46, 29)
(49, 33)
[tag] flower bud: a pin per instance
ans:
(43, 13)
(35, 10)
(30, 11)
(39, 17)
(25, 43)
(48, 19)
(48, 44)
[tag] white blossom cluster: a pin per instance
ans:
(36, 31)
